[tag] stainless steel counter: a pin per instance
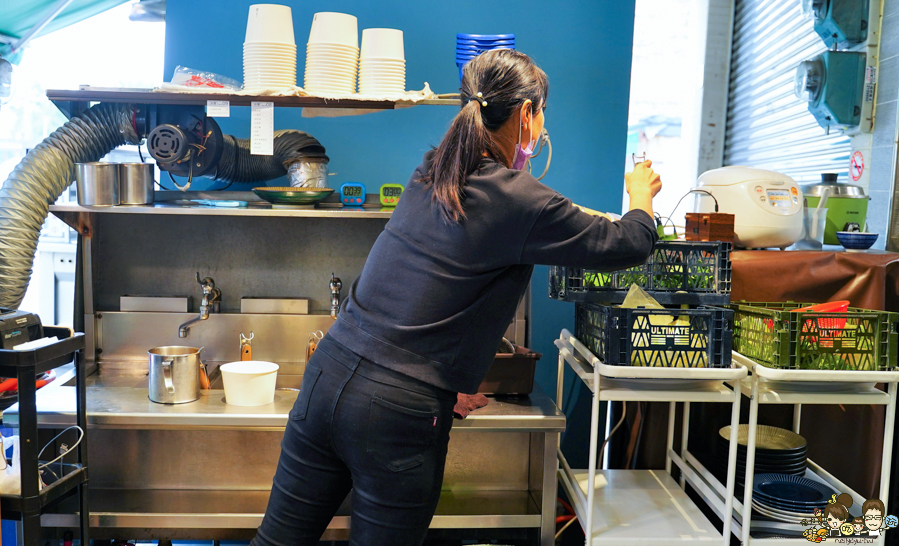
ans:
(500, 470)
(120, 399)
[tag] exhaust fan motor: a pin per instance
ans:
(191, 148)
(167, 144)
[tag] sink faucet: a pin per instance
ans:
(211, 298)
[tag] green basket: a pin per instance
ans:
(858, 339)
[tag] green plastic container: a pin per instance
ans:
(859, 339)
(846, 204)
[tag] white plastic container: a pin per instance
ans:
(250, 382)
(382, 43)
(334, 28)
(270, 23)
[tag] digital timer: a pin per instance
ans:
(390, 194)
(352, 194)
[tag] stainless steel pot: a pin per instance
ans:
(309, 172)
(174, 374)
(97, 184)
(136, 183)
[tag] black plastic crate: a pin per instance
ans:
(677, 272)
(670, 338)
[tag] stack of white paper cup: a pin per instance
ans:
(382, 63)
(332, 54)
(269, 49)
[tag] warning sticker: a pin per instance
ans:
(869, 92)
(856, 166)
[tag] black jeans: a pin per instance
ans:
(356, 425)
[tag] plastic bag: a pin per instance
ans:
(188, 77)
(10, 476)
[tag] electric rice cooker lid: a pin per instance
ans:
(736, 174)
(836, 190)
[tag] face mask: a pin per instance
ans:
(522, 154)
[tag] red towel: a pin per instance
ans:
(466, 403)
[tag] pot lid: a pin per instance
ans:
(836, 190)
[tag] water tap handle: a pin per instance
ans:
(211, 295)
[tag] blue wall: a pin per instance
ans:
(584, 46)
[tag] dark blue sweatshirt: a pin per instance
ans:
(434, 299)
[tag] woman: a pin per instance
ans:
(424, 319)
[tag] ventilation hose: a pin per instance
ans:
(237, 165)
(41, 177)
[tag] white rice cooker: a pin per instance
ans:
(767, 205)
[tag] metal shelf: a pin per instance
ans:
(119, 510)
(65, 99)
(646, 507)
(794, 387)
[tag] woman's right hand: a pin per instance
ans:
(643, 180)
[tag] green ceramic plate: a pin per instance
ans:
(292, 196)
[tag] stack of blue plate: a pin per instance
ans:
(791, 494)
(469, 46)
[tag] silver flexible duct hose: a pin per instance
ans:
(239, 166)
(41, 177)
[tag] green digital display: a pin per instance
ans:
(392, 191)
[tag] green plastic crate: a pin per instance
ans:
(859, 339)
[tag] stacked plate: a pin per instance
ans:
(332, 54)
(269, 49)
(776, 450)
(469, 46)
(788, 498)
(382, 63)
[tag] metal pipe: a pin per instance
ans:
(41, 177)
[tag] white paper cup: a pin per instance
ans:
(382, 73)
(269, 46)
(335, 48)
(249, 383)
(334, 28)
(382, 43)
(339, 59)
(270, 23)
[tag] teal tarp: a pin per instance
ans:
(17, 17)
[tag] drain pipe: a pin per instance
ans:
(41, 177)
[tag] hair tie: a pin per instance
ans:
(481, 96)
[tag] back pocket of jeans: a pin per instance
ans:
(302, 404)
(399, 437)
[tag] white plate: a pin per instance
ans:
(779, 513)
(659, 384)
(817, 386)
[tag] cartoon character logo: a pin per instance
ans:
(835, 520)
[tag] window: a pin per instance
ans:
(65, 59)
(665, 79)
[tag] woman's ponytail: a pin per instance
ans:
(494, 86)
(458, 155)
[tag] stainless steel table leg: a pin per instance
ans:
(550, 490)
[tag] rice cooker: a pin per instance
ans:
(767, 205)
(847, 204)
